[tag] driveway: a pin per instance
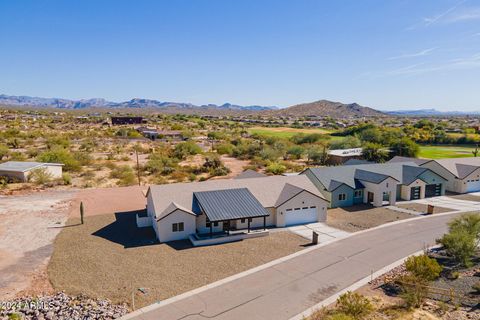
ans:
(326, 233)
(451, 203)
(283, 289)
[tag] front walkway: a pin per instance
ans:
(326, 233)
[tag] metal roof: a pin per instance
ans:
(228, 204)
(22, 166)
(417, 161)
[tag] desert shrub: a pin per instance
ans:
(339, 316)
(184, 149)
(67, 178)
(275, 168)
(17, 156)
(59, 155)
(354, 305)
(83, 158)
(158, 163)
(32, 152)
(219, 171)
(55, 142)
(423, 267)
(462, 239)
(179, 176)
(40, 176)
(295, 152)
(4, 151)
(413, 290)
(124, 174)
(224, 148)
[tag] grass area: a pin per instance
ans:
(445, 151)
(284, 132)
(362, 216)
(110, 257)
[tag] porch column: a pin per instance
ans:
(248, 224)
(211, 229)
(264, 223)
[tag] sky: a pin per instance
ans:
(389, 55)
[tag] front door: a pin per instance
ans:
(370, 197)
(226, 225)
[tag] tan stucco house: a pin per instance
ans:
(216, 209)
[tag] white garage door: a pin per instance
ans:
(473, 185)
(300, 215)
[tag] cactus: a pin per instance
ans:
(81, 212)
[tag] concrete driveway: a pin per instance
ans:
(285, 288)
(326, 234)
(451, 203)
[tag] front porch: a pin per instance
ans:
(224, 237)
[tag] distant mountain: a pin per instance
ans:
(102, 103)
(429, 113)
(329, 108)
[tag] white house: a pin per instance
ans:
(21, 170)
(218, 208)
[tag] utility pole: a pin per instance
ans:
(138, 167)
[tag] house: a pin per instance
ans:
(340, 156)
(20, 170)
(219, 210)
(154, 134)
(462, 174)
(127, 120)
(377, 184)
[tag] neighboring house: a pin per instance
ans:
(377, 184)
(155, 134)
(127, 120)
(340, 156)
(462, 174)
(21, 170)
(217, 208)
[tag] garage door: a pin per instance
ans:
(300, 215)
(414, 193)
(433, 190)
(473, 185)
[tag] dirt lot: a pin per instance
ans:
(361, 217)
(108, 200)
(422, 208)
(28, 226)
(109, 257)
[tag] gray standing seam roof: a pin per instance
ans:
(229, 204)
(19, 166)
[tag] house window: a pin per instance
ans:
(304, 208)
(207, 223)
(242, 220)
(249, 219)
(387, 184)
(215, 224)
(342, 197)
(289, 209)
(358, 193)
(177, 227)
(312, 207)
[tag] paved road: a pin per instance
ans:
(290, 287)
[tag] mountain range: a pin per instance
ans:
(102, 103)
(429, 113)
(329, 108)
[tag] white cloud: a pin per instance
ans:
(465, 63)
(431, 20)
(463, 15)
(425, 52)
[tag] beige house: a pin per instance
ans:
(21, 170)
(462, 174)
(218, 211)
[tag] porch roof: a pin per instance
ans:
(229, 204)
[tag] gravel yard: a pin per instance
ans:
(466, 196)
(109, 257)
(361, 217)
(28, 226)
(421, 208)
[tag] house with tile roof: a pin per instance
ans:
(462, 174)
(378, 184)
(218, 211)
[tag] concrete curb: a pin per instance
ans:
(187, 294)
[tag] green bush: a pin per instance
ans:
(339, 316)
(224, 148)
(67, 178)
(423, 267)
(184, 149)
(124, 174)
(59, 155)
(4, 151)
(40, 176)
(354, 305)
(470, 222)
(413, 290)
(275, 168)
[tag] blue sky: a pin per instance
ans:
(384, 54)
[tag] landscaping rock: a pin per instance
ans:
(62, 307)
